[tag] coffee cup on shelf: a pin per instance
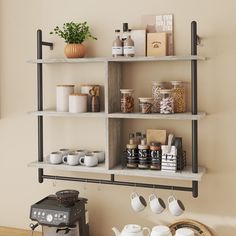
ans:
(176, 207)
(100, 156)
(64, 151)
(138, 203)
(72, 159)
(81, 153)
(157, 205)
(88, 160)
(55, 158)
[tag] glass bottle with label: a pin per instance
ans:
(129, 46)
(117, 48)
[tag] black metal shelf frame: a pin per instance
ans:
(112, 181)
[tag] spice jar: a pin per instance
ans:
(178, 90)
(132, 152)
(143, 154)
(155, 153)
(145, 105)
(167, 102)
(156, 87)
(127, 100)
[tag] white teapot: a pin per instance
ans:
(161, 230)
(131, 230)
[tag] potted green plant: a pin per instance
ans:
(74, 34)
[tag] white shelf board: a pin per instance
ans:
(118, 59)
(69, 114)
(176, 116)
(97, 169)
(186, 174)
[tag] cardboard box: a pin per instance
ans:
(156, 135)
(156, 44)
(139, 38)
(159, 24)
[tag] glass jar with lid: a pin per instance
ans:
(156, 87)
(167, 101)
(178, 90)
(145, 105)
(127, 100)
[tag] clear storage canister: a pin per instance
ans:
(178, 90)
(127, 100)
(145, 105)
(156, 87)
(167, 102)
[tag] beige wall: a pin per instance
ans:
(109, 205)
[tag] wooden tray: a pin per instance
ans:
(198, 228)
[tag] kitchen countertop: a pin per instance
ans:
(7, 231)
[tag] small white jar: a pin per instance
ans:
(77, 103)
(62, 97)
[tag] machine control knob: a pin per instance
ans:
(49, 218)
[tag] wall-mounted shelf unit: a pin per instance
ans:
(114, 119)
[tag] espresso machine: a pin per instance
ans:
(61, 214)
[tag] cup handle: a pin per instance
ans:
(146, 228)
(64, 159)
(151, 197)
(133, 195)
(81, 161)
(171, 199)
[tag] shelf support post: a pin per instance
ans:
(194, 39)
(40, 44)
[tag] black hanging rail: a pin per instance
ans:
(194, 189)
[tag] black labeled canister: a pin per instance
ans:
(132, 155)
(155, 153)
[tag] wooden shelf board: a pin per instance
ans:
(186, 174)
(181, 175)
(118, 59)
(176, 116)
(69, 114)
(97, 169)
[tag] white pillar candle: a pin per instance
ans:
(62, 97)
(77, 103)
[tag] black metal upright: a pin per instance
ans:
(194, 106)
(40, 44)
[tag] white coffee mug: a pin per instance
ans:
(157, 205)
(64, 151)
(161, 230)
(72, 159)
(55, 158)
(184, 232)
(88, 160)
(138, 203)
(176, 207)
(100, 156)
(81, 153)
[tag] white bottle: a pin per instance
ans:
(117, 48)
(129, 46)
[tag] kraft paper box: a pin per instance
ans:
(156, 44)
(159, 24)
(139, 38)
(156, 135)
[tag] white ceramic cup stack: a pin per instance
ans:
(55, 158)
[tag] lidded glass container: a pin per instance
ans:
(156, 87)
(167, 101)
(127, 100)
(178, 90)
(146, 105)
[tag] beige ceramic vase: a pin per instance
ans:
(74, 50)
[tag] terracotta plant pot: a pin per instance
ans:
(74, 50)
